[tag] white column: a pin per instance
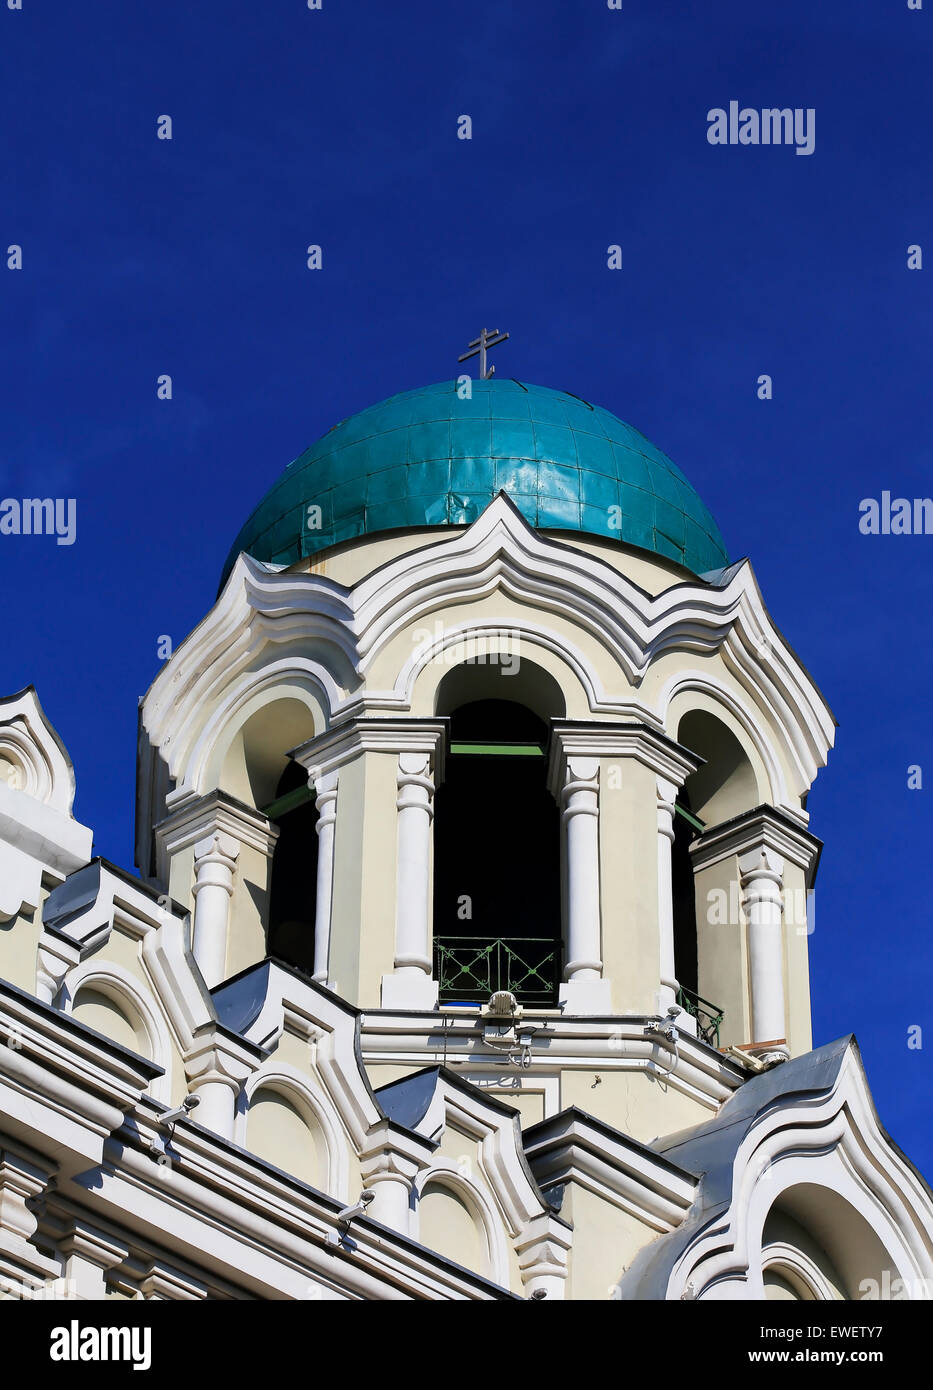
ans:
(214, 860)
(217, 1069)
(667, 795)
(411, 986)
(326, 804)
(584, 990)
(390, 1163)
(762, 874)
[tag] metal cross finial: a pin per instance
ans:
(481, 345)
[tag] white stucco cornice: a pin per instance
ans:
(289, 630)
(761, 828)
(574, 1147)
(373, 734)
(63, 1086)
(594, 738)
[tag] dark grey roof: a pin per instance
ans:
(709, 1150)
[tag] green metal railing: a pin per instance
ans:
(471, 968)
(709, 1016)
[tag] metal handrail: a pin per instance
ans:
(709, 1016)
(472, 968)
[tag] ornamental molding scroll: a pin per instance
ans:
(32, 755)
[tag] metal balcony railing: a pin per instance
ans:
(471, 968)
(709, 1016)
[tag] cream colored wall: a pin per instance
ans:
(722, 949)
(181, 878)
(298, 1054)
(502, 611)
(446, 1224)
(669, 666)
(362, 939)
(628, 845)
(605, 1242)
(797, 964)
(278, 1132)
(97, 1011)
(351, 561)
(19, 943)
(638, 1103)
(249, 910)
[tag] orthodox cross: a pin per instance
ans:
(481, 345)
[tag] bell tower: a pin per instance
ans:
(487, 746)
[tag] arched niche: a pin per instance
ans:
(256, 754)
(283, 1130)
(726, 784)
(795, 1266)
(842, 1245)
(783, 1284)
(114, 1017)
(497, 851)
(448, 1223)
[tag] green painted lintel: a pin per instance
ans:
(511, 750)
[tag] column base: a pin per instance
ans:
(414, 991)
(586, 997)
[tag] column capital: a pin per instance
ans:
(213, 814)
(216, 848)
(329, 751)
(599, 738)
(221, 1057)
(392, 1154)
(543, 1250)
(763, 828)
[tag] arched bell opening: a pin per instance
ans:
(705, 903)
(293, 878)
(497, 890)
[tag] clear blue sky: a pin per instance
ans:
(338, 127)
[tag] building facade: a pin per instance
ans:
(467, 953)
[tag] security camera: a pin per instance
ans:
(171, 1117)
(538, 1294)
(349, 1214)
(503, 1004)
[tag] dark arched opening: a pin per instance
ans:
(293, 887)
(497, 917)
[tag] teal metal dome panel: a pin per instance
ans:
(429, 458)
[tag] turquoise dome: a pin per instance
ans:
(428, 458)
